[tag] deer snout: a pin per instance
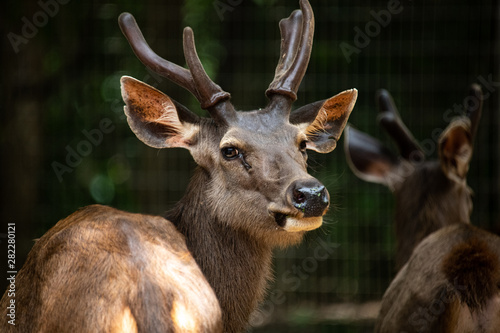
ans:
(309, 196)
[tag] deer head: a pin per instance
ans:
(255, 161)
(429, 194)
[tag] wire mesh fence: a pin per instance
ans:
(66, 144)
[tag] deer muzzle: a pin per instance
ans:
(310, 197)
(308, 201)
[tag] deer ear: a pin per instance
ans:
(369, 159)
(324, 121)
(455, 149)
(155, 119)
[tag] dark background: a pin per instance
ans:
(63, 82)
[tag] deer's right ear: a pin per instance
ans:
(369, 159)
(156, 119)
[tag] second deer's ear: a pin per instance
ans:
(455, 149)
(369, 159)
(324, 121)
(155, 119)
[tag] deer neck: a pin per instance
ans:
(236, 265)
(438, 203)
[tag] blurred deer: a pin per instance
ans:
(450, 275)
(206, 265)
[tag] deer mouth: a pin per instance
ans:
(291, 223)
(280, 219)
(303, 224)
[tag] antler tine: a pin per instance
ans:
(148, 57)
(474, 107)
(391, 121)
(195, 80)
(211, 94)
(296, 44)
(289, 46)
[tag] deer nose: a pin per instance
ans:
(310, 197)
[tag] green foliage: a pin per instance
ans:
(267, 3)
(206, 34)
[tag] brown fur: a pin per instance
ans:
(425, 202)
(475, 267)
(442, 289)
(100, 270)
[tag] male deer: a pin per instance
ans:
(103, 270)
(429, 194)
(450, 277)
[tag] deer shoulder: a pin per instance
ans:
(107, 270)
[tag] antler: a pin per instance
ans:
(474, 109)
(195, 79)
(296, 43)
(389, 119)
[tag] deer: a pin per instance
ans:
(449, 276)
(204, 266)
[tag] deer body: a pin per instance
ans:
(104, 270)
(449, 284)
(449, 273)
(249, 194)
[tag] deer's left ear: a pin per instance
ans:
(455, 149)
(324, 121)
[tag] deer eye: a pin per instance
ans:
(230, 153)
(303, 145)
